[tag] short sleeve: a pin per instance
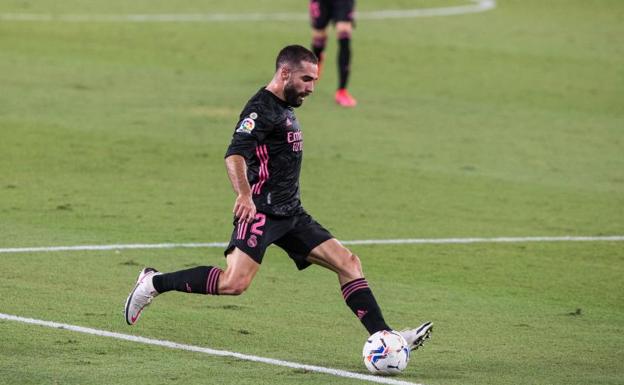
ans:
(252, 128)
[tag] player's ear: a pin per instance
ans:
(284, 72)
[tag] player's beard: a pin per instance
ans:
(292, 96)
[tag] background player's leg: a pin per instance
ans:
(343, 31)
(319, 40)
(355, 290)
(319, 19)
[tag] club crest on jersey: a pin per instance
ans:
(247, 125)
(252, 241)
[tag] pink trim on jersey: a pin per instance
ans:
(242, 229)
(263, 155)
(238, 230)
(315, 9)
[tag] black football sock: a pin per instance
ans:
(318, 46)
(200, 280)
(344, 59)
(360, 299)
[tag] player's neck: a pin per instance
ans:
(276, 89)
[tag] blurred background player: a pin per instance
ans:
(341, 13)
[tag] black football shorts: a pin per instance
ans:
(324, 11)
(297, 235)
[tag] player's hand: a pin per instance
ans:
(244, 208)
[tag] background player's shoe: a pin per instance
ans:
(141, 295)
(417, 337)
(344, 98)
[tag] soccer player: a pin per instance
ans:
(341, 13)
(263, 163)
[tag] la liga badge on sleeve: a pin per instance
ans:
(246, 126)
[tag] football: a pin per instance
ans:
(386, 352)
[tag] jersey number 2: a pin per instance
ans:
(255, 228)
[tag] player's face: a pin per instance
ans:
(300, 83)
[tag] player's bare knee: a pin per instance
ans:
(344, 27)
(352, 265)
(319, 33)
(238, 289)
(233, 286)
(357, 264)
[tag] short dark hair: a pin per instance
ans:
(294, 55)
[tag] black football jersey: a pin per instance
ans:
(268, 136)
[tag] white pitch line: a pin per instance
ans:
(112, 247)
(567, 238)
(408, 241)
(212, 352)
(475, 7)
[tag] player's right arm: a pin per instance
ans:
(244, 207)
(252, 128)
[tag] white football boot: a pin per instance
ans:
(416, 337)
(141, 295)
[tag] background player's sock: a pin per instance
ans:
(200, 280)
(360, 299)
(318, 46)
(344, 58)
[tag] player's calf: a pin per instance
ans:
(198, 280)
(361, 301)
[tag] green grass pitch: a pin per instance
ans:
(502, 123)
